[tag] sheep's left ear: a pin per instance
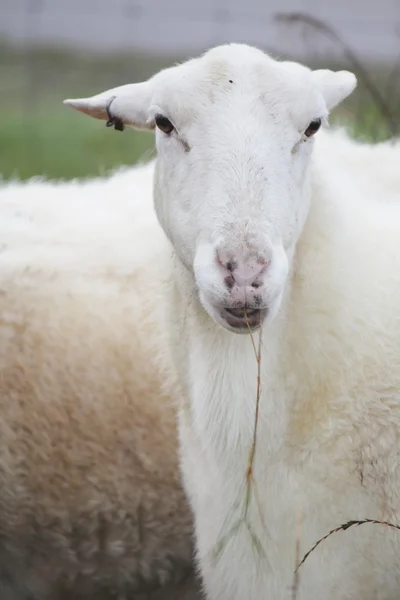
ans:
(334, 86)
(120, 106)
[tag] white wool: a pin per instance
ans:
(89, 223)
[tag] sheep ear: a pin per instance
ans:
(334, 86)
(120, 106)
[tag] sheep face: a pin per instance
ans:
(234, 133)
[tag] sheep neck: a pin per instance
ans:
(219, 369)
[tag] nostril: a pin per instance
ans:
(248, 272)
(229, 281)
(226, 260)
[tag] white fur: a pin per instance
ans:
(238, 176)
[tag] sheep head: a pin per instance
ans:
(235, 133)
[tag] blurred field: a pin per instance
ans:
(40, 136)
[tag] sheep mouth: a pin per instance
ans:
(244, 319)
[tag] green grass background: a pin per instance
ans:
(40, 136)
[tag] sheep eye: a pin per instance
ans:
(313, 127)
(164, 124)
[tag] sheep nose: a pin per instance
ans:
(242, 273)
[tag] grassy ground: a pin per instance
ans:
(40, 136)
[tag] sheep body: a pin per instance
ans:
(91, 503)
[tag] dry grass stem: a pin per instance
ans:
(344, 527)
(251, 490)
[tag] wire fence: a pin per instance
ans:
(84, 46)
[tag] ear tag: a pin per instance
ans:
(116, 121)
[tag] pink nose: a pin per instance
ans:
(242, 275)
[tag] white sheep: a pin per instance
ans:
(91, 502)
(303, 245)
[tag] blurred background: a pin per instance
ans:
(56, 49)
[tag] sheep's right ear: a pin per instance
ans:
(120, 106)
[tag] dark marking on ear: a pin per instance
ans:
(230, 81)
(116, 121)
